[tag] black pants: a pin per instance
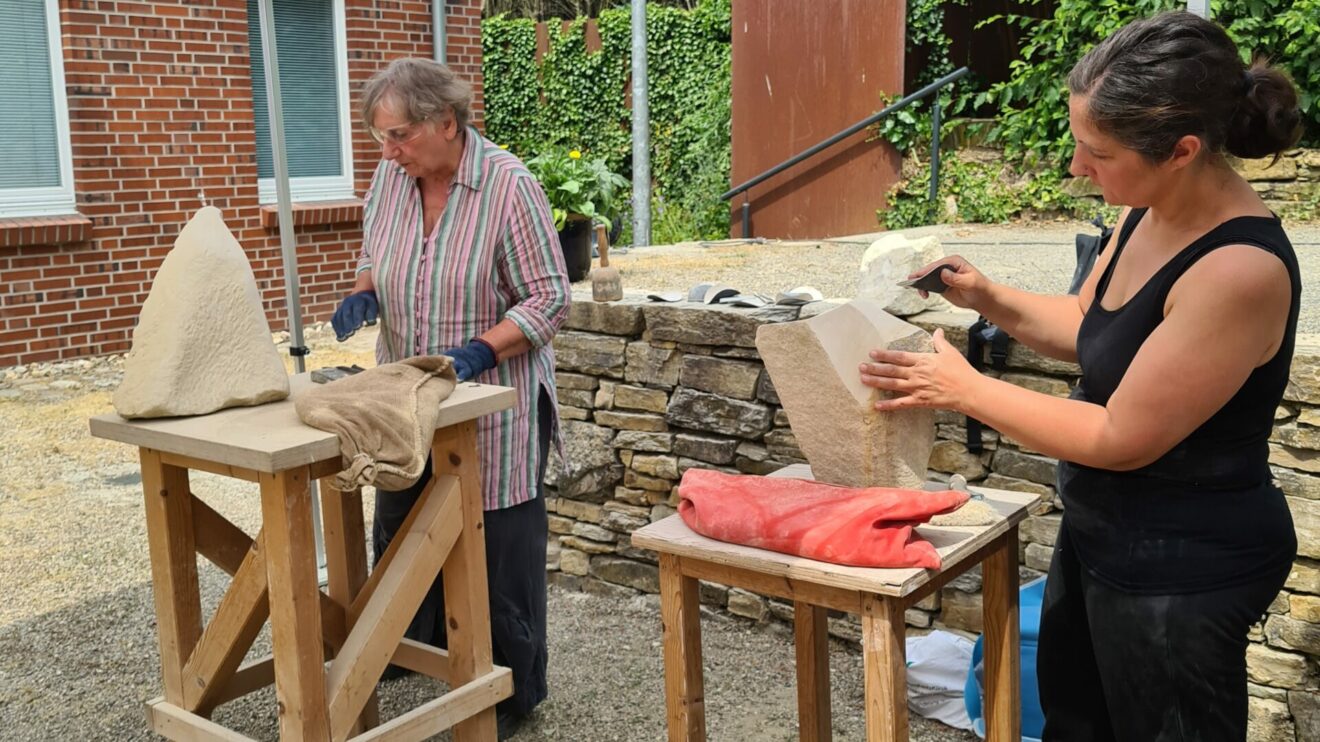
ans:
(1114, 665)
(515, 568)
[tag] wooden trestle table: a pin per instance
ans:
(879, 596)
(328, 648)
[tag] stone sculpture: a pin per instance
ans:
(201, 343)
(813, 364)
(891, 259)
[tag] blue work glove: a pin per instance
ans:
(472, 359)
(357, 310)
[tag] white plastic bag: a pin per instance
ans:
(936, 674)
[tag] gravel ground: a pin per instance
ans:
(78, 652)
(1037, 257)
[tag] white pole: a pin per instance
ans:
(288, 241)
(439, 34)
(641, 129)
(1199, 7)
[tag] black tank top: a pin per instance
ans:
(1206, 514)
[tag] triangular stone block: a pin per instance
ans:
(813, 365)
(201, 343)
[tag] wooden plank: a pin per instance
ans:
(999, 595)
(250, 677)
(270, 438)
(885, 668)
(196, 464)
(295, 606)
(954, 544)
(346, 566)
(174, 723)
(811, 640)
(680, 616)
(467, 599)
(423, 658)
(377, 631)
(435, 716)
(222, 543)
(173, 567)
(237, 621)
(787, 588)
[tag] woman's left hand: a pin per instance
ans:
(943, 379)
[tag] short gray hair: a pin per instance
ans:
(425, 88)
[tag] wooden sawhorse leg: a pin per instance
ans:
(295, 605)
(346, 565)
(885, 668)
(467, 596)
(173, 568)
(812, 642)
(680, 615)
(999, 596)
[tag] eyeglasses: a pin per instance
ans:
(397, 136)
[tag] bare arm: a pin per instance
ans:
(1224, 317)
(1047, 324)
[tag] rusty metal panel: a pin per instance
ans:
(803, 71)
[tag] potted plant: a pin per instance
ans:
(582, 192)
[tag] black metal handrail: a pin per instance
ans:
(897, 105)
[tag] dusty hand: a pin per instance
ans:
(943, 379)
(967, 285)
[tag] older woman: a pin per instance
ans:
(460, 257)
(1174, 538)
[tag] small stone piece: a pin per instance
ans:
(813, 364)
(891, 259)
(202, 343)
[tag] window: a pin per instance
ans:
(36, 165)
(309, 37)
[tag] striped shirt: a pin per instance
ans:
(493, 254)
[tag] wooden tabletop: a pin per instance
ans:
(270, 437)
(954, 543)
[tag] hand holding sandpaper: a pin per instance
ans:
(957, 280)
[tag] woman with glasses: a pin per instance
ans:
(460, 256)
(1174, 538)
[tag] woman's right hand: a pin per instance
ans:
(967, 286)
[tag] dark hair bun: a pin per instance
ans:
(1268, 121)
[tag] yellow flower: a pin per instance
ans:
(504, 146)
(574, 154)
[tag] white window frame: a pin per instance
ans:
(325, 187)
(49, 200)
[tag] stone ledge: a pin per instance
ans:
(61, 229)
(317, 213)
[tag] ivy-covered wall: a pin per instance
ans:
(573, 97)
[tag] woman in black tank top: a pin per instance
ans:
(1174, 539)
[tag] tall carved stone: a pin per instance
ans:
(201, 343)
(813, 364)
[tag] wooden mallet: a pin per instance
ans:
(605, 282)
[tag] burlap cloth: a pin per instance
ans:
(385, 418)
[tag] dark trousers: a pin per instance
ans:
(515, 568)
(1114, 665)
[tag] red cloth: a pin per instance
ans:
(870, 527)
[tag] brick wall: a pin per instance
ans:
(160, 110)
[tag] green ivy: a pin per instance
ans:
(576, 99)
(1033, 119)
(981, 192)
(926, 41)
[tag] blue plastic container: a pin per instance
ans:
(1030, 597)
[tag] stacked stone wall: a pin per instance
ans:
(649, 390)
